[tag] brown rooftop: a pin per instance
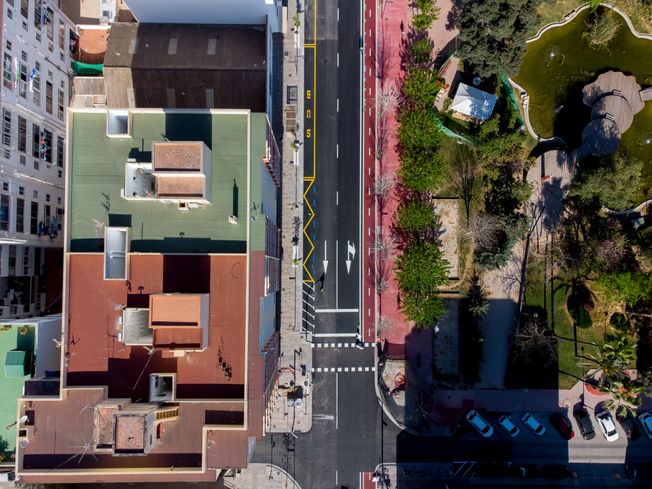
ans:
(186, 66)
(175, 310)
(130, 432)
(179, 186)
(177, 156)
(97, 357)
(92, 44)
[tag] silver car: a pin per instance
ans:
(479, 423)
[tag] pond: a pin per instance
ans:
(559, 64)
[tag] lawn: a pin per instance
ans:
(557, 67)
(571, 340)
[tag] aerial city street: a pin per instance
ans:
(326, 244)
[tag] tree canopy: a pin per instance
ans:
(493, 33)
(613, 183)
(420, 270)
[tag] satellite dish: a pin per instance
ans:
(23, 443)
(23, 419)
(477, 80)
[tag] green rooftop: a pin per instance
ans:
(17, 356)
(97, 166)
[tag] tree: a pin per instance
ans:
(629, 287)
(483, 230)
(420, 87)
(625, 396)
(477, 302)
(613, 183)
(420, 271)
(612, 360)
(465, 175)
(416, 215)
(426, 14)
(493, 33)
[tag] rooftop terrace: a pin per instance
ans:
(97, 357)
(97, 172)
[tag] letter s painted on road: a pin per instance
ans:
(308, 133)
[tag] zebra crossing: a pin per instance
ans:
(343, 369)
(341, 345)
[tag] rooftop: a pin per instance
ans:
(473, 102)
(190, 66)
(97, 357)
(97, 168)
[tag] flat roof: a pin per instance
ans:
(97, 357)
(97, 167)
(130, 431)
(63, 428)
(177, 155)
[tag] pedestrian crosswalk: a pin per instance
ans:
(341, 345)
(343, 369)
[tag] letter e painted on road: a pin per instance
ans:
(308, 133)
(308, 94)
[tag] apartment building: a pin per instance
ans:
(37, 40)
(169, 344)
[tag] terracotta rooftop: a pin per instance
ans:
(130, 431)
(180, 185)
(177, 156)
(175, 310)
(92, 44)
(97, 357)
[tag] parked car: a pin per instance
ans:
(533, 424)
(607, 425)
(646, 422)
(628, 425)
(584, 423)
(479, 423)
(563, 425)
(508, 426)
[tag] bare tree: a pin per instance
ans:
(483, 230)
(535, 341)
(465, 174)
(382, 246)
(384, 324)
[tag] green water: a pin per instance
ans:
(561, 62)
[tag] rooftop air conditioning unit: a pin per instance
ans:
(233, 219)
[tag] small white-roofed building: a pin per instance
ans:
(473, 103)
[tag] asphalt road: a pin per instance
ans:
(332, 165)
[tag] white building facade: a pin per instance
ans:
(36, 59)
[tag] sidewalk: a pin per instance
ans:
(295, 362)
(263, 476)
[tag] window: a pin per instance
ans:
(60, 104)
(20, 215)
(36, 138)
(10, 2)
(33, 218)
(48, 97)
(5, 186)
(45, 143)
(46, 217)
(37, 14)
(21, 190)
(23, 56)
(292, 94)
(12, 260)
(35, 194)
(47, 197)
(36, 84)
(49, 25)
(60, 152)
(10, 13)
(62, 35)
(36, 164)
(22, 134)
(22, 80)
(8, 45)
(26, 261)
(6, 127)
(58, 202)
(24, 8)
(4, 212)
(7, 76)
(59, 217)
(60, 174)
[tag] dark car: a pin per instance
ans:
(584, 423)
(562, 425)
(626, 422)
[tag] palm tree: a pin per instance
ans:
(612, 360)
(625, 397)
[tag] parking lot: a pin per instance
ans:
(551, 447)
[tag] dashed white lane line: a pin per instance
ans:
(341, 345)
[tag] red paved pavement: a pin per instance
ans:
(387, 23)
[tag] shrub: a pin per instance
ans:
(601, 27)
(629, 287)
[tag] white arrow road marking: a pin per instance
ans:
(350, 255)
(325, 261)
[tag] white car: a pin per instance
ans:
(533, 424)
(646, 422)
(479, 423)
(607, 425)
(508, 425)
